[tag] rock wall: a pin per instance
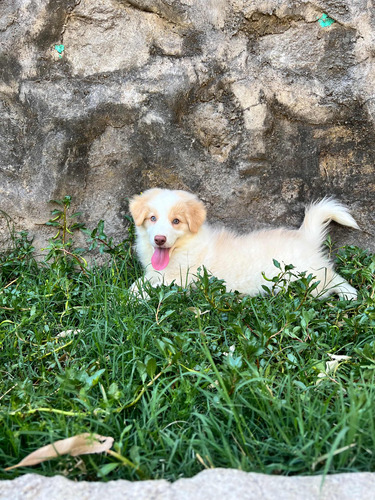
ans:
(259, 106)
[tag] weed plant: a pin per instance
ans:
(190, 379)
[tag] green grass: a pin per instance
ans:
(190, 379)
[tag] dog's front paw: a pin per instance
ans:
(137, 290)
(347, 292)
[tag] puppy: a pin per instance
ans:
(173, 241)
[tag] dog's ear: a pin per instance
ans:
(139, 209)
(195, 213)
(138, 205)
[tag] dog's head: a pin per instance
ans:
(167, 217)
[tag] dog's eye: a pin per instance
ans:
(176, 221)
(153, 218)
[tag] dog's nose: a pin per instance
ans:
(160, 240)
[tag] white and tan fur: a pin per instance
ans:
(176, 220)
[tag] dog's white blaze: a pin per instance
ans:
(163, 226)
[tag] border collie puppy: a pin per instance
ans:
(173, 241)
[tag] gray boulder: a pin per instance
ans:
(257, 106)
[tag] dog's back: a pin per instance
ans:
(243, 261)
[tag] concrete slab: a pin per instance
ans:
(215, 484)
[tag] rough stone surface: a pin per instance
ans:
(208, 485)
(252, 104)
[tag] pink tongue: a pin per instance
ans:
(160, 258)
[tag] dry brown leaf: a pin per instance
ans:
(82, 444)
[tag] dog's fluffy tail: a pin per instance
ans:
(319, 214)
